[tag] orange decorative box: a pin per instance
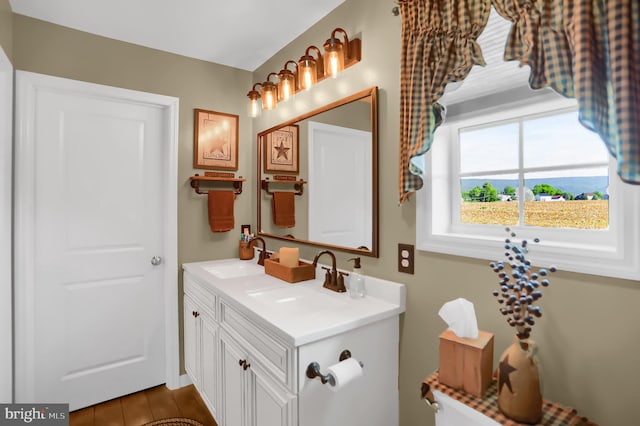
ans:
(302, 272)
(466, 364)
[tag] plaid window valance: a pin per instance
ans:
(438, 47)
(588, 49)
(606, 47)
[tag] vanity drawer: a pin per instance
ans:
(277, 357)
(204, 298)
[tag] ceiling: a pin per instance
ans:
(237, 33)
(245, 33)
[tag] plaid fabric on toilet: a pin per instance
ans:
(553, 414)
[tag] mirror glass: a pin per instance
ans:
(318, 177)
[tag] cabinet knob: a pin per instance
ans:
(244, 364)
(195, 314)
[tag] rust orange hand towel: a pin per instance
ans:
(221, 210)
(283, 209)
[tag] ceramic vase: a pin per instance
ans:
(519, 387)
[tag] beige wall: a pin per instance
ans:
(6, 28)
(589, 338)
(589, 335)
(50, 49)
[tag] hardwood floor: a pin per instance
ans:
(145, 406)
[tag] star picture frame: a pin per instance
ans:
(281, 154)
(215, 144)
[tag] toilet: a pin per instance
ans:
(452, 412)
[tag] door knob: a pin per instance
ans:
(156, 260)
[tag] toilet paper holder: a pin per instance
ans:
(313, 369)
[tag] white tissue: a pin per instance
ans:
(343, 373)
(461, 317)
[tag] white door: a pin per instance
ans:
(97, 325)
(6, 119)
(340, 177)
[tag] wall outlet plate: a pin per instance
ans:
(406, 258)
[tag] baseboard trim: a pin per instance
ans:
(184, 380)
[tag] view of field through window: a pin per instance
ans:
(546, 171)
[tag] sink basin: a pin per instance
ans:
(234, 270)
(297, 299)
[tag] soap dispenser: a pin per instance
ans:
(356, 280)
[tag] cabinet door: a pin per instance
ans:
(209, 361)
(191, 350)
(233, 379)
(270, 404)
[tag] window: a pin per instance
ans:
(535, 170)
(530, 166)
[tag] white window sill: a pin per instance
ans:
(619, 259)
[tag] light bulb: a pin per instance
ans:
(254, 108)
(307, 79)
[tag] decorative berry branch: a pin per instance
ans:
(519, 290)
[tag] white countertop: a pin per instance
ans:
(302, 312)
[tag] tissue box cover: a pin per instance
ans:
(466, 364)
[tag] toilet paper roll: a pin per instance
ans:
(343, 373)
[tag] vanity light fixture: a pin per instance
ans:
(254, 101)
(334, 53)
(269, 93)
(338, 55)
(310, 69)
(287, 82)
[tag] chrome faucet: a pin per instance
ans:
(263, 251)
(332, 279)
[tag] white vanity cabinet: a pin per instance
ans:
(229, 355)
(249, 338)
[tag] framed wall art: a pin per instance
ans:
(215, 140)
(281, 150)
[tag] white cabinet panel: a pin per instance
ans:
(277, 357)
(272, 405)
(209, 361)
(232, 380)
(250, 396)
(201, 347)
(190, 340)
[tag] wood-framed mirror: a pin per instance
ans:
(317, 180)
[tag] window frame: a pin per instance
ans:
(614, 252)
